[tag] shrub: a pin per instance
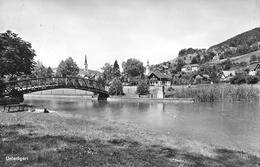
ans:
(212, 93)
(116, 87)
(238, 79)
(252, 79)
(2, 88)
(142, 88)
(15, 93)
(258, 73)
(170, 89)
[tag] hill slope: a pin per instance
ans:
(238, 45)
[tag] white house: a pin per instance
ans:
(226, 75)
(253, 67)
(190, 68)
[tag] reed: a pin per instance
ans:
(215, 92)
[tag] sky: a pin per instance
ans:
(109, 30)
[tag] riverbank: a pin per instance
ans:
(64, 140)
(217, 92)
(116, 98)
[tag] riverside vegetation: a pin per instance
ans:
(215, 92)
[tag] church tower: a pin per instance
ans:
(147, 69)
(86, 65)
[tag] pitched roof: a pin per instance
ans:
(254, 66)
(90, 72)
(190, 65)
(229, 73)
(159, 75)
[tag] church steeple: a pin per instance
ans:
(147, 70)
(86, 64)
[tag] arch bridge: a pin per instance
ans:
(20, 87)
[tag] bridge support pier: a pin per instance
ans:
(102, 97)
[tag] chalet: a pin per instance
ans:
(226, 75)
(190, 68)
(157, 78)
(253, 67)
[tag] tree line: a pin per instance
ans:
(17, 62)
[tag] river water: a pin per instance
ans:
(229, 125)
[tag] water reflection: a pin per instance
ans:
(232, 125)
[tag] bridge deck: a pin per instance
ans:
(39, 84)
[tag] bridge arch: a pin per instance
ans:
(39, 84)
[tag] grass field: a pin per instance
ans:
(61, 140)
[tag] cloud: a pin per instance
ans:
(115, 29)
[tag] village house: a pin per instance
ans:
(215, 58)
(156, 78)
(190, 68)
(253, 67)
(227, 75)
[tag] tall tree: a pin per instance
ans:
(16, 55)
(39, 70)
(213, 71)
(116, 87)
(49, 72)
(133, 68)
(180, 64)
(68, 68)
(107, 72)
(116, 70)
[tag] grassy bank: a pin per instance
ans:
(54, 140)
(215, 92)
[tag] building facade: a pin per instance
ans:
(156, 78)
(190, 68)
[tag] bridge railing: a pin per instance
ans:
(55, 82)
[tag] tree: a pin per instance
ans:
(116, 70)
(133, 68)
(49, 72)
(253, 58)
(180, 64)
(16, 55)
(67, 68)
(243, 64)
(39, 70)
(226, 65)
(101, 80)
(238, 79)
(213, 71)
(2, 87)
(107, 72)
(252, 79)
(142, 88)
(116, 87)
